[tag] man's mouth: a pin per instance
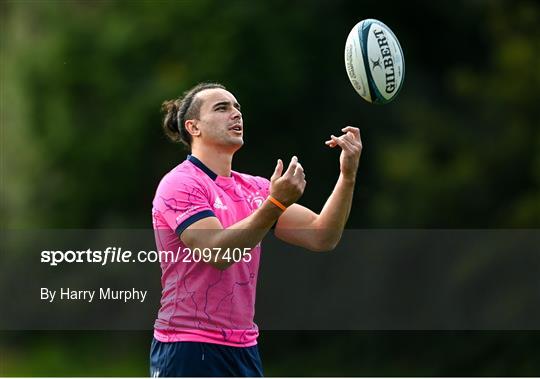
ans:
(236, 128)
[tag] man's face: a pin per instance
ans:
(220, 121)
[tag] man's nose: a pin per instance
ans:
(236, 114)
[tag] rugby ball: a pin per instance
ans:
(374, 61)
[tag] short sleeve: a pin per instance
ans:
(180, 202)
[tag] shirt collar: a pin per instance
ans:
(202, 166)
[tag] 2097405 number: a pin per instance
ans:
(207, 255)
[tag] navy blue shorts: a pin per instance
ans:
(203, 359)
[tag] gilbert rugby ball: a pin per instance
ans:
(374, 61)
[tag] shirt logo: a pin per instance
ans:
(181, 215)
(218, 204)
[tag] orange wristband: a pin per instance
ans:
(277, 203)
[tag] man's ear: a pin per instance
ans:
(192, 128)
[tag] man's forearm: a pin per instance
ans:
(333, 217)
(249, 231)
(246, 233)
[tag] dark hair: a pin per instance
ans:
(184, 108)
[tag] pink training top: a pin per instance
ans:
(199, 302)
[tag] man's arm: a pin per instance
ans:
(209, 233)
(321, 232)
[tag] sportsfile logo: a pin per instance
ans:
(387, 60)
(118, 255)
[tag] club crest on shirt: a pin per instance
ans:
(256, 201)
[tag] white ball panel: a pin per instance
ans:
(354, 63)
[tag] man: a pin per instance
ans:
(216, 218)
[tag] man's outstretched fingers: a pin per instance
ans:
(353, 130)
(334, 141)
(292, 166)
(345, 145)
(299, 169)
(278, 170)
(350, 137)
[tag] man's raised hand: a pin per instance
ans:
(289, 187)
(351, 146)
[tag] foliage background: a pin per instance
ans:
(81, 145)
